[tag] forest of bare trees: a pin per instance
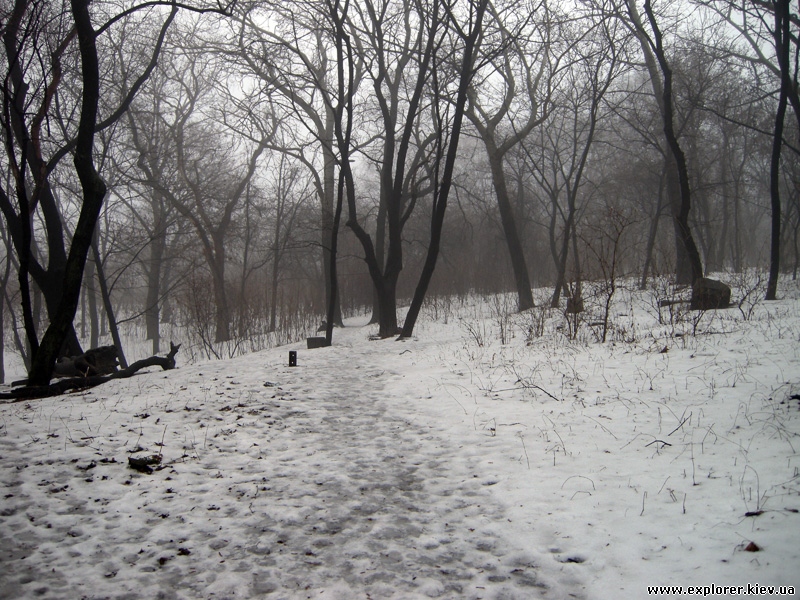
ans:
(239, 172)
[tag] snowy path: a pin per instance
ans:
(290, 483)
(455, 465)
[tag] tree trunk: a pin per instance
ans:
(471, 46)
(152, 310)
(109, 308)
(275, 278)
(91, 299)
(682, 214)
(561, 265)
(576, 257)
(380, 256)
(222, 313)
(328, 219)
(387, 307)
(94, 191)
(334, 290)
(652, 233)
(518, 263)
(782, 41)
(683, 266)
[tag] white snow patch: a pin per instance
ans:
(450, 465)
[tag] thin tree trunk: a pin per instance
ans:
(275, 277)
(782, 42)
(91, 299)
(334, 293)
(109, 308)
(380, 256)
(328, 228)
(561, 265)
(652, 233)
(576, 257)
(152, 310)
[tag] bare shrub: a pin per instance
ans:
(605, 240)
(750, 287)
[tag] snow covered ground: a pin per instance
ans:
(493, 456)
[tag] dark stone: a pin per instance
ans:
(574, 305)
(105, 359)
(316, 342)
(97, 361)
(710, 294)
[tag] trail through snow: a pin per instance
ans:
(309, 482)
(492, 457)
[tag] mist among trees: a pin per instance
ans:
(234, 174)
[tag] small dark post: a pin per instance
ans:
(292, 358)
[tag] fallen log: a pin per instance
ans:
(97, 361)
(63, 386)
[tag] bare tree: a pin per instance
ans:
(28, 96)
(768, 36)
(690, 266)
(145, 155)
(293, 56)
(509, 99)
(782, 40)
(470, 34)
(42, 33)
(206, 140)
(562, 147)
(399, 73)
(288, 195)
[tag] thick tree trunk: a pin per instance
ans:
(682, 214)
(387, 307)
(222, 329)
(94, 191)
(222, 315)
(518, 264)
(683, 266)
(471, 46)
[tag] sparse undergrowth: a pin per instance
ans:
(494, 453)
(688, 410)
